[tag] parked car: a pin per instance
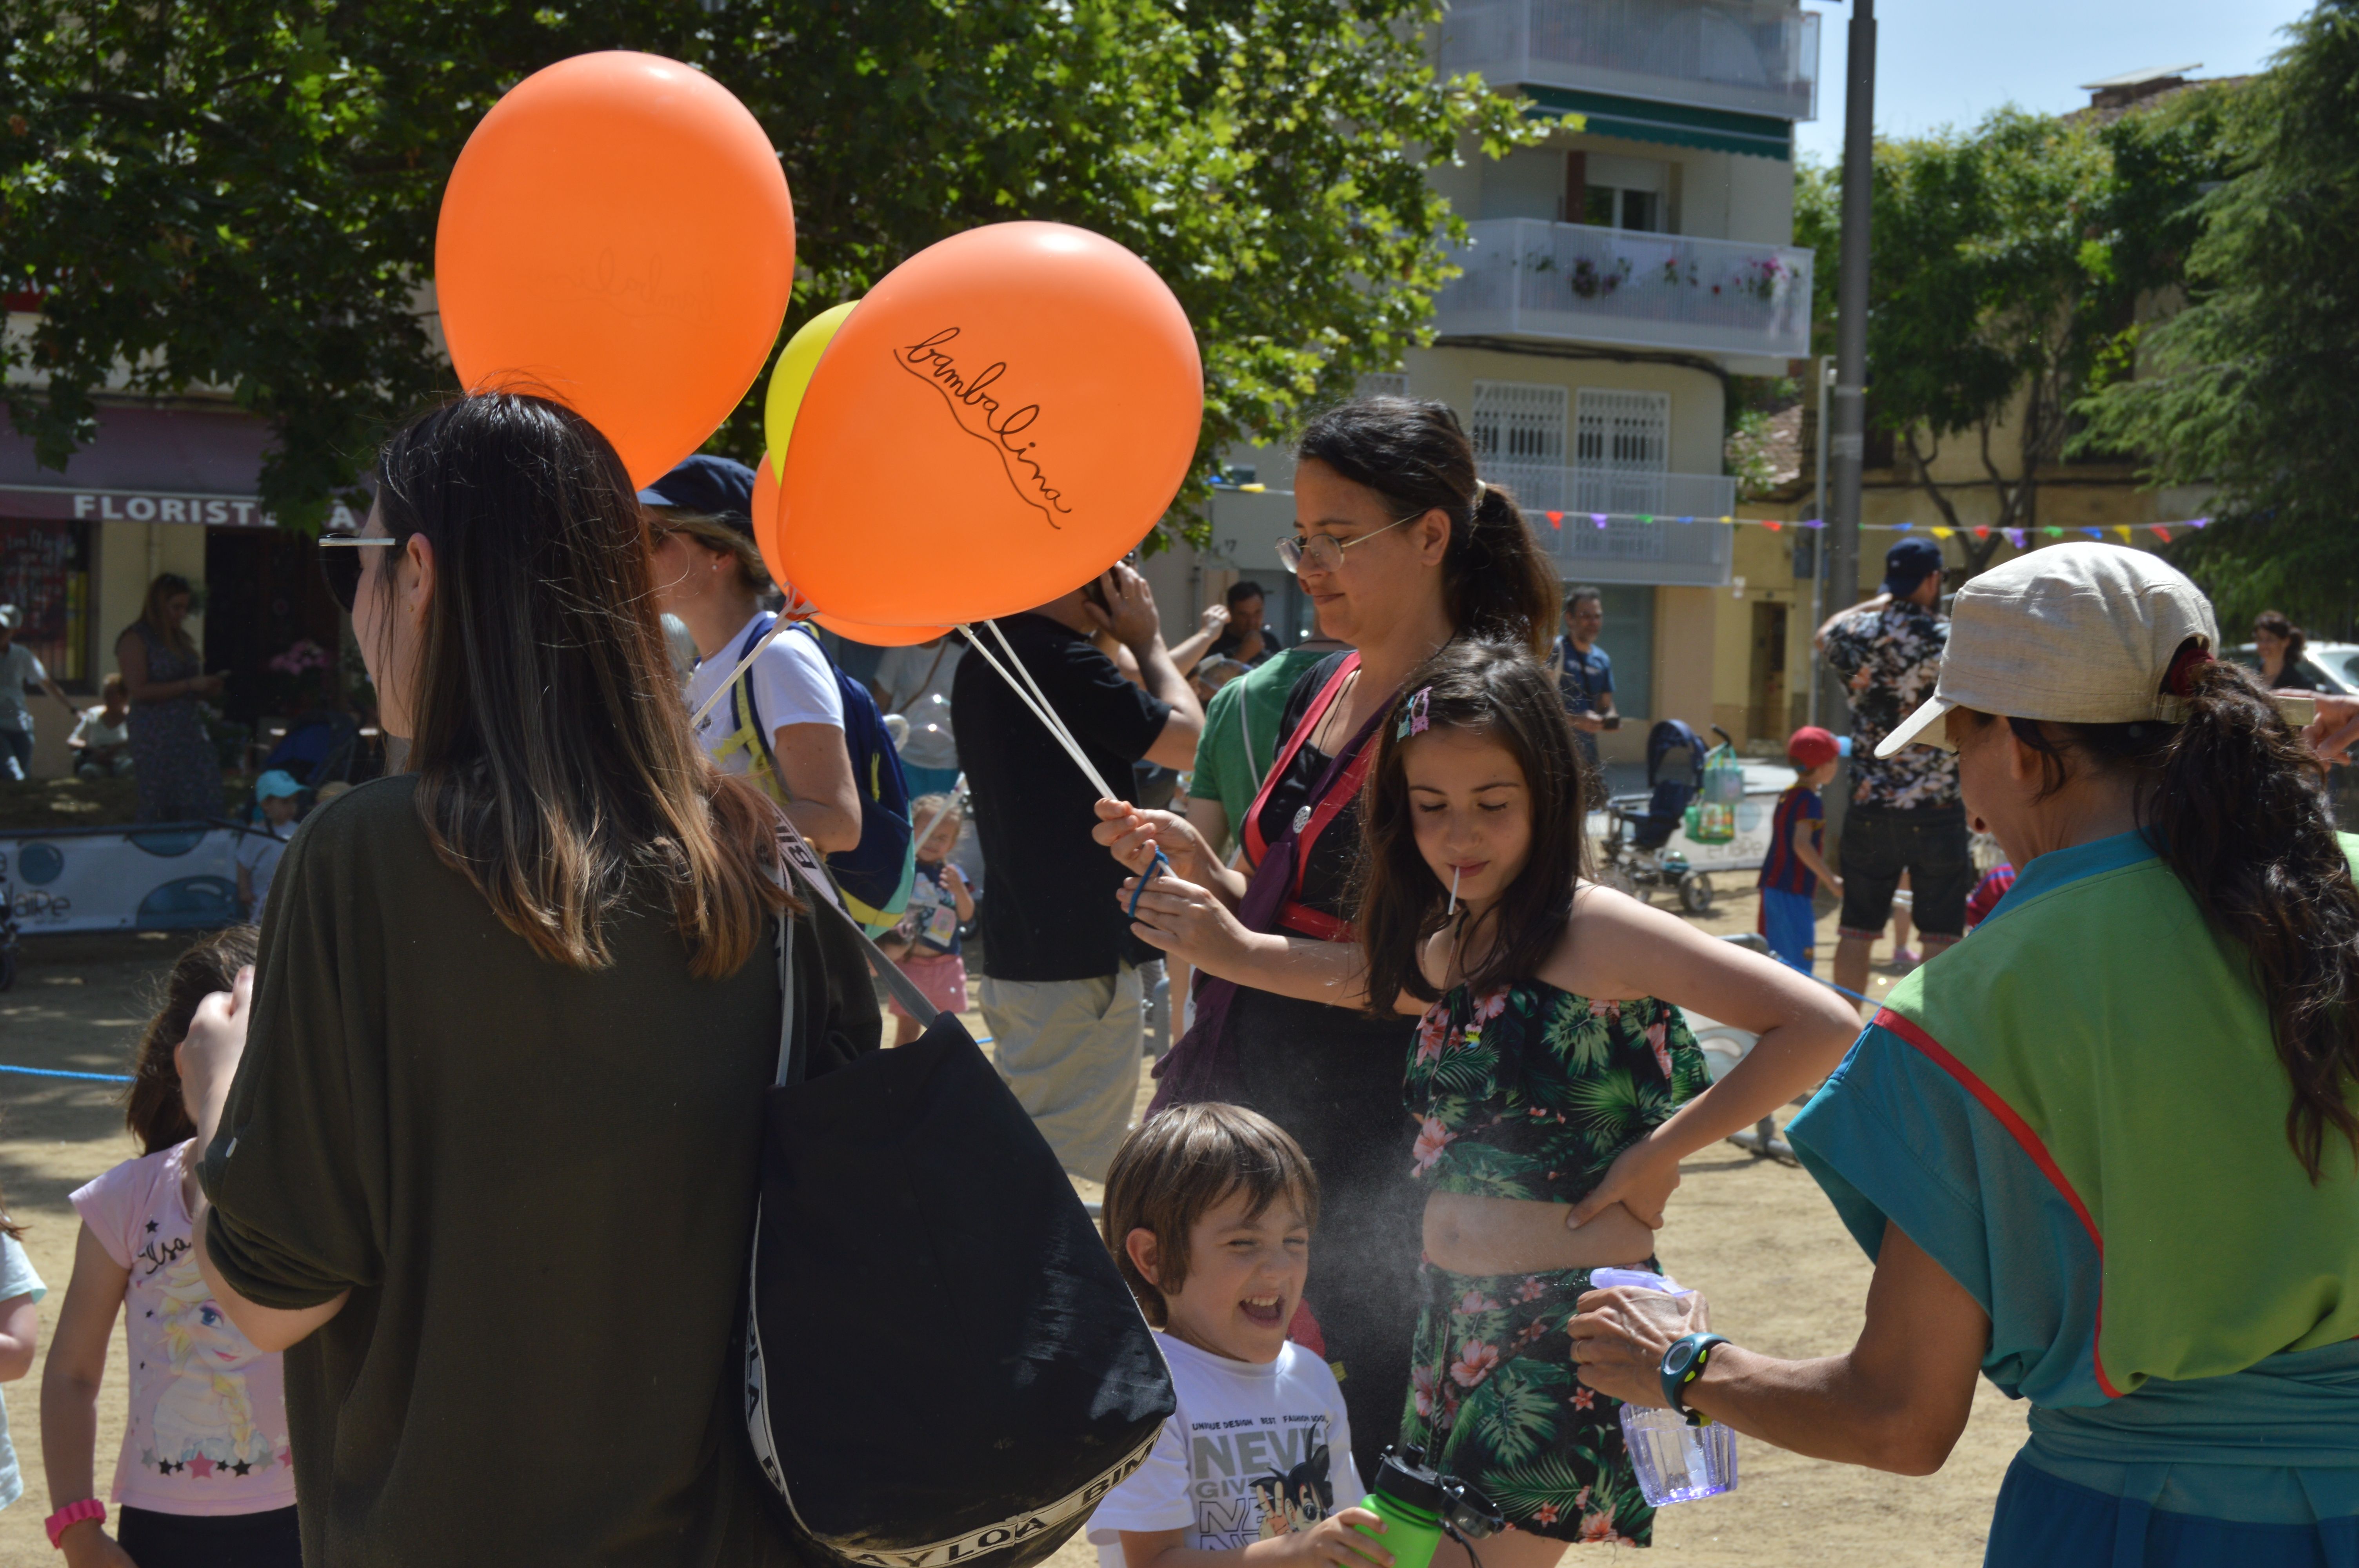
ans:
(2335, 665)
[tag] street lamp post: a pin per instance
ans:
(1847, 442)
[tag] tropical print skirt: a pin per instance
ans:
(1493, 1402)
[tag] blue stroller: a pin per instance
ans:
(1632, 855)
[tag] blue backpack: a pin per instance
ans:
(875, 876)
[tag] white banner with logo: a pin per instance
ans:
(166, 877)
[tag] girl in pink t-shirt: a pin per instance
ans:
(204, 1475)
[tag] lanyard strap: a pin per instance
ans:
(1340, 794)
(1257, 845)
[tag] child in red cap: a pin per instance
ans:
(1789, 877)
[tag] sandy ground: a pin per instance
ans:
(1782, 1274)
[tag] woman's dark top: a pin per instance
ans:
(538, 1183)
(2299, 675)
(1331, 1076)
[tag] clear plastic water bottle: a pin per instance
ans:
(1675, 1463)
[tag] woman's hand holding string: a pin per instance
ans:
(1132, 835)
(1192, 921)
(1195, 923)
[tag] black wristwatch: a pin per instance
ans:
(1683, 1363)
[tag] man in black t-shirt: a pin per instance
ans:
(1060, 989)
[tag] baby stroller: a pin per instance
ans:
(1633, 856)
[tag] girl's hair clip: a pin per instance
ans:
(1413, 720)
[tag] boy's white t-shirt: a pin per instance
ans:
(792, 681)
(258, 851)
(1253, 1452)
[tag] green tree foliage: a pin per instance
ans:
(241, 194)
(2254, 386)
(1991, 289)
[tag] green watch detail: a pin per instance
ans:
(1683, 1363)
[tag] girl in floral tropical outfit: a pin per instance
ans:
(1556, 1091)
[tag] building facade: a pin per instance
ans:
(163, 486)
(1615, 276)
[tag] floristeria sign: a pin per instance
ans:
(132, 506)
(43, 504)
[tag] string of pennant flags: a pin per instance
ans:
(2018, 537)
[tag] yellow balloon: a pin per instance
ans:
(793, 374)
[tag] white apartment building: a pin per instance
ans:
(1615, 274)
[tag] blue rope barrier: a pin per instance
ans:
(62, 1072)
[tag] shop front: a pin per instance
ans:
(162, 490)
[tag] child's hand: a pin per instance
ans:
(1335, 1539)
(954, 876)
(1641, 1179)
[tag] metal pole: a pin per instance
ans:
(1825, 374)
(1848, 442)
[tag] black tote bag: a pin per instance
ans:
(942, 1365)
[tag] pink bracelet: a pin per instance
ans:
(72, 1514)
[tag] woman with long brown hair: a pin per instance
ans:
(173, 760)
(502, 1082)
(1401, 548)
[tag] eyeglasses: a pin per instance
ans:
(1324, 552)
(343, 571)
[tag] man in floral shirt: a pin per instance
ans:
(1905, 816)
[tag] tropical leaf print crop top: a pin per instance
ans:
(1526, 1091)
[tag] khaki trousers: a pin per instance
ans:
(1071, 1051)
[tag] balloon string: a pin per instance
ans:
(1049, 708)
(1453, 894)
(750, 654)
(1022, 696)
(1041, 709)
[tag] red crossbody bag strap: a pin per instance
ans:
(1255, 845)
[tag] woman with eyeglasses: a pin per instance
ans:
(504, 1061)
(173, 759)
(1401, 548)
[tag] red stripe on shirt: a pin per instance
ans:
(2020, 1131)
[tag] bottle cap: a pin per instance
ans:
(1403, 1476)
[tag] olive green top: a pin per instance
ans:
(538, 1185)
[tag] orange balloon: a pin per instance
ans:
(617, 236)
(1007, 412)
(880, 636)
(766, 520)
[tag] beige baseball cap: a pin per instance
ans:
(2079, 634)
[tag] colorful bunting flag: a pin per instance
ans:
(1982, 532)
(1941, 533)
(2015, 538)
(1556, 519)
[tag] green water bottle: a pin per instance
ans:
(1410, 1500)
(1420, 1506)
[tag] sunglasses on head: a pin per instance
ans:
(340, 563)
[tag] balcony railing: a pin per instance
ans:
(1524, 278)
(1756, 59)
(1662, 549)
